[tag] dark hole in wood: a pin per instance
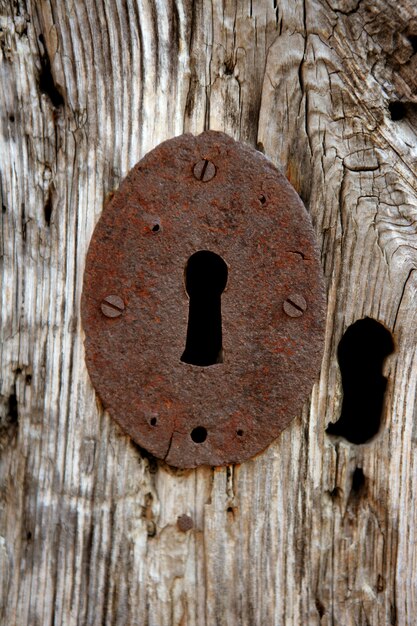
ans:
(47, 84)
(144, 454)
(335, 493)
(397, 110)
(12, 414)
(320, 608)
(3, 208)
(276, 9)
(156, 228)
(153, 421)
(239, 432)
(361, 354)
(393, 615)
(231, 513)
(229, 67)
(413, 40)
(358, 481)
(23, 220)
(205, 281)
(11, 118)
(199, 434)
(47, 210)
(10, 422)
(29, 379)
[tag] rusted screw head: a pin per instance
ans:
(112, 306)
(204, 170)
(184, 523)
(295, 305)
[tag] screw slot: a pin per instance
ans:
(204, 170)
(295, 305)
(199, 434)
(112, 306)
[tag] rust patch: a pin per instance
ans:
(272, 309)
(184, 523)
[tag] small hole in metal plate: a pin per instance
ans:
(156, 228)
(199, 434)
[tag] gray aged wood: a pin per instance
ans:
(88, 524)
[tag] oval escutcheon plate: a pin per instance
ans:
(203, 303)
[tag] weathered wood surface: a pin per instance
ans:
(88, 525)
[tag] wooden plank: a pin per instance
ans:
(88, 523)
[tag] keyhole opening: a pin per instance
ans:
(361, 355)
(205, 281)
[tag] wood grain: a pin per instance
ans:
(88, 522)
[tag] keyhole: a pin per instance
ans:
(361, 354)
(205, 281)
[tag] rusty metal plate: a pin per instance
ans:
(144, 331)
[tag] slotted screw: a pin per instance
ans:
(295, 305)
(204, 170)
(112, 306)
